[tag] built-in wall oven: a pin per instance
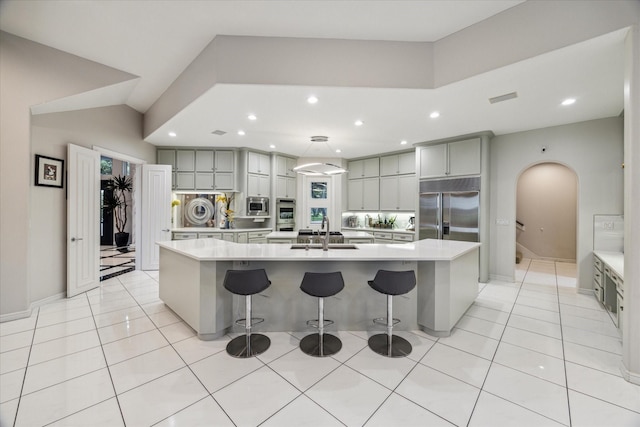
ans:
(285, 214)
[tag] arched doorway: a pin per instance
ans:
(546, 214)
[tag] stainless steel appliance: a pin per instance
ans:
(307, 235)
(285, 214)
(449, 209)
(257, 206)
(352, 221)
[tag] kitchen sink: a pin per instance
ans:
(316, 246)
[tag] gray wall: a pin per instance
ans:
(32, 74)
(547, 204)
(593, 149)
(117, 128)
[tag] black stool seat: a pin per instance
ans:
(391, 283)
(247, 283)
(321, 285)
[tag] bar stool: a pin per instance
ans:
(321, 285)
(391, 283)
(247, 283)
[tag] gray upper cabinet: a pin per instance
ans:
(457, 158)
(399, 193)
(285, 165)
(285, 187)
(204, 161)
(185, 160)
(365, 168)
(225, 161)
(258, 163)
(363, 194)
(464, 157)
(167, 157)
(200, 169)
(398, 164)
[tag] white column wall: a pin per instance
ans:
(631, 313)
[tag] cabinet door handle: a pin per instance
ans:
(165, 229)
(73, 239)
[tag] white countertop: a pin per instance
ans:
(615, 260)
(217, 250)
(294, 234)
(216, 229)
(372, 229)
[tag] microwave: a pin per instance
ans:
(257, 206)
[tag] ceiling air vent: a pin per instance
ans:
(218, 132)
(319, 138)
(505, 97)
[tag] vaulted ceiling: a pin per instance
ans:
(157, 40)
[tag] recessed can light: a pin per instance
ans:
(272, 146)
(241, 132)
(358, 123)
(568, 101)
(403, 142)
(312, 99)
(434, 115)
(252, 117)
(338, 150)
(172, 134)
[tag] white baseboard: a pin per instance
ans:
(15, 316)
(27, 313)
(632, 377)
(47, 300)
(501, 278)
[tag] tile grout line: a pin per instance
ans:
(106, 363)
(564, 355)
(496, 351)
(26, 368)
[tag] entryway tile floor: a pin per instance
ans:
(531, 353)
(114, 262)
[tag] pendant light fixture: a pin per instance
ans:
(319, 168)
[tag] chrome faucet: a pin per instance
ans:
(325, 242)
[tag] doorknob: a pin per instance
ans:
(73, 239)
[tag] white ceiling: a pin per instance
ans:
(156, 40)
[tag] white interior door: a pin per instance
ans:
(83, 219)
(156, 212)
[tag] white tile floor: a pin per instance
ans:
(533, 353)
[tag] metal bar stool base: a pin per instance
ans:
(311, 345)
(246, 346)
(399, 346)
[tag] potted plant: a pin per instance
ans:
(116, 202)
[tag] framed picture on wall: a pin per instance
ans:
(49, 171)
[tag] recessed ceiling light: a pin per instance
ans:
(568, 101)
(403, 142)
(312, 99)
(272, 146)
(172, 134)
(338, 150)
(434, 115)
(358, 123)
(252, 117)
(241, 132)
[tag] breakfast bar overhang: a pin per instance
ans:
(192, 274)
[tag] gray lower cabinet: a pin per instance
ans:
(183, 236)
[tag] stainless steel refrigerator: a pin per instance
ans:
(449, 209)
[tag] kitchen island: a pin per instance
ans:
(192, 274)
